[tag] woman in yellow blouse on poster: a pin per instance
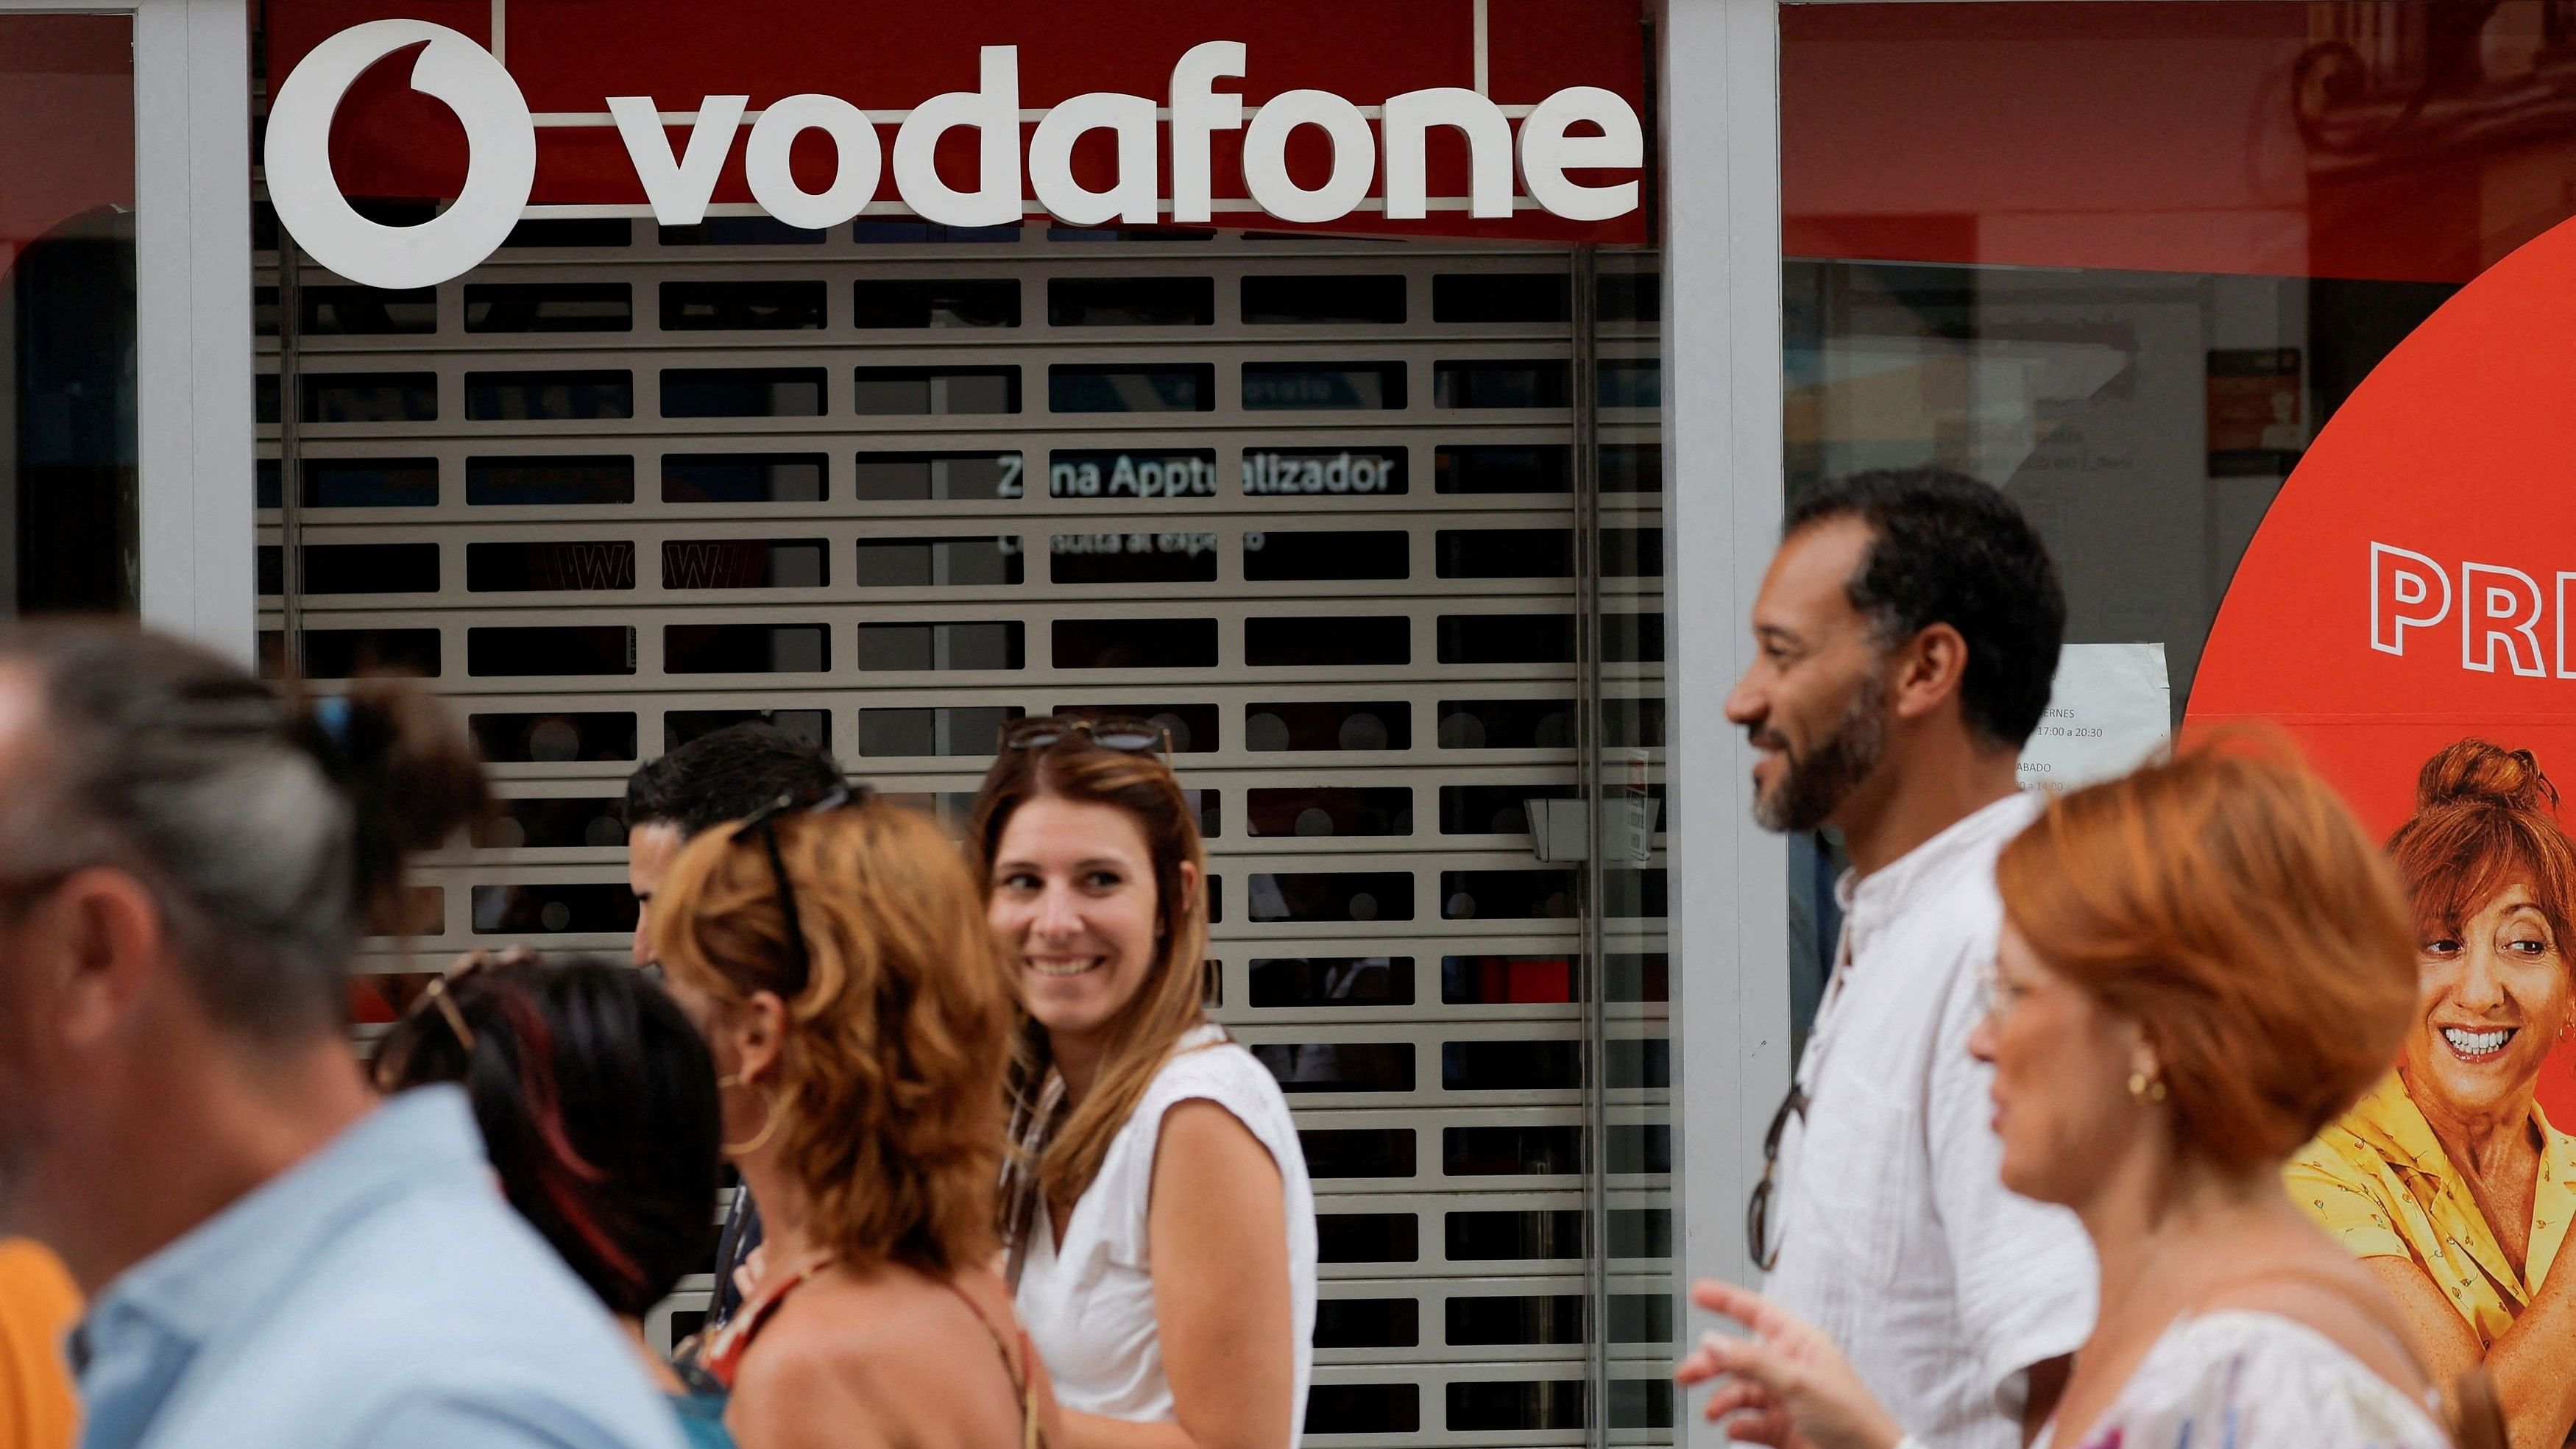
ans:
(37, 1306)
(2448, 1177)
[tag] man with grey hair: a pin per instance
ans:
(272, 1257)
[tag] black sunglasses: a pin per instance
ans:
(760, 821)
(1122, 733)
(1757, 1212)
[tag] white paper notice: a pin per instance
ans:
(2110, 709)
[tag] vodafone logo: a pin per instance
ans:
(1576, 129)
(501, 138)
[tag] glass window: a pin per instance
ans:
(2131, 262)
(67, 320)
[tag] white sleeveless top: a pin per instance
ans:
(2255, 1380)
(1089, 1306)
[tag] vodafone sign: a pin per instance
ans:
(1196, 150)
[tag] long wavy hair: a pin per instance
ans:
(896, 1044)
(1061, 1150)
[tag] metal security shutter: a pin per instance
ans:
(622, 488)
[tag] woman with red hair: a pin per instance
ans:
(2201, 964)
(2448, 1180)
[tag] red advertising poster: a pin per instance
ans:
(2404, 613)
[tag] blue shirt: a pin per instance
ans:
(379, 1294)
(701, 1419)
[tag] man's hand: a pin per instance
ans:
(1788, 1382)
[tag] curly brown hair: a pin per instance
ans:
(895, 1047)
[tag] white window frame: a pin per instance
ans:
(193, 310)
(1724, 477)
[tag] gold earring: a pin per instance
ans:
(771, 1115)
(2146, 1088)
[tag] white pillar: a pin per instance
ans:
(192, 291)
(1719, 87)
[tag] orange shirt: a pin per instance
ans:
(37, 1307)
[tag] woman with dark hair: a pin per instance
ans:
(2448, 1180)
(836, 960)
(597, 1102)
(1162, 1227)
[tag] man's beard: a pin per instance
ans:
(1812, 788)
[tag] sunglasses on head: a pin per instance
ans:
(760, 822)
(1122, 733)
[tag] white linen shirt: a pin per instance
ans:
(1896, 1236)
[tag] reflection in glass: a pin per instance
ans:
(512, 307)
(1276, 555)
(943, 477)
(515, 739)
(550, 565)
(489, 396)
(1328, 725)
(547, 482)
(990, 302)
(1310, 981)
(358, 483)
(542, 649)
(1367, 1238)
(734, 306)
(742, 477)
(683, 725)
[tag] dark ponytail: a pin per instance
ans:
(267, 827)
(597, 1101)
(411, 776)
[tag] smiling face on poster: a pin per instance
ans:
(2420, 654)
(2451, 1171)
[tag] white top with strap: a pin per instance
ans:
(2256, 1380)
(1090, 1304)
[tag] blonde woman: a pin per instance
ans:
(837, 961)
(1163, 1227)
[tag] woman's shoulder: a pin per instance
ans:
(1208, 1063)
(2258, 1370)
(881, 1342)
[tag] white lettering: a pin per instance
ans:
(500, 156)
(1265, 156)
(1547, 153)
(2500, 611)
(2397, 592)
(1409, 119)
(1199, 109)
(1282, 474)
(679, 190)
(855, 173)
(679, 183)
(2563, 671)
(1135, 198)
(994, 113)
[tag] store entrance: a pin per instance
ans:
(1308, 501)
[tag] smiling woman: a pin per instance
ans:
(1161, 1223)
(2449, 1179)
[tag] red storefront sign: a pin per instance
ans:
(1518, 118)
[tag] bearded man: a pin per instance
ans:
(1908, 633)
